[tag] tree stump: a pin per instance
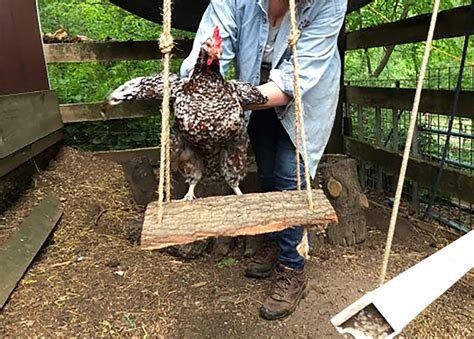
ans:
(338, 176)
(141, 179)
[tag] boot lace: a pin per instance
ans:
(283, 282)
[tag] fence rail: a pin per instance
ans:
(111, 51)
(71, 113)
(451, 23)
(422, 171)
(432, 101)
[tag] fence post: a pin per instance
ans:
(336, 140)
(414, 149)
(395, 118)
(360, 136)
(378, 142)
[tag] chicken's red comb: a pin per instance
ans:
(217, 36)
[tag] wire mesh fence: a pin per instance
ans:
(436, 78)
(388, 128)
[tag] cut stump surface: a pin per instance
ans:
(249, 214)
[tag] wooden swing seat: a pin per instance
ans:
(249, 214)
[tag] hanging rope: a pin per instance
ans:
(166, 46)
(299, 113)
(408, 144)
(300, 133)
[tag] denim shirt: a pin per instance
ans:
(244, 27)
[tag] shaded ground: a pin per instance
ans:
(92, 279)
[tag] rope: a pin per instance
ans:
(406, 153)
(300, 132)
(299, 113)
(166, 46)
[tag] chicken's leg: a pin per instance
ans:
(190, 195)
(237, 190)
(233, 161)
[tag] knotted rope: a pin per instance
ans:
(406, 152)
(300, 132)
(166, 46)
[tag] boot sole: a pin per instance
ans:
(267, 316)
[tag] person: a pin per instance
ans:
(255, 39)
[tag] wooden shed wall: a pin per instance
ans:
(22, 64)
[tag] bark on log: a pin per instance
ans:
(250, 214)
(352, 226)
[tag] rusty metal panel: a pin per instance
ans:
(22, 63)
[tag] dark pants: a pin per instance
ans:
(275, 155)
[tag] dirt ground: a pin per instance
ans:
(92, 279)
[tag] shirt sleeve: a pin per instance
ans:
(316, 48)
(220, 13)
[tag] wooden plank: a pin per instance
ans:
(14, 160)
(111, 51)
(26, 118)
(20, 249)
(249, 214)
(22, 64)
(71, 113)
(432, 101)
(450, 23)
(454, 182)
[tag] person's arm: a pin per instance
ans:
(220, 13)
(316, 47)
(276, 97)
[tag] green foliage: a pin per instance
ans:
(99, 20)
(405, 61)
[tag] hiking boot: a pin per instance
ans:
(289, 289)
(263, 268)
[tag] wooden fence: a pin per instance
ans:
(451, 23)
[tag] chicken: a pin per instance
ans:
(210, 140)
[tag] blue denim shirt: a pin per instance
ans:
(244, 27)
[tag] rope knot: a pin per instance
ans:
(293, 39)
(166, 43)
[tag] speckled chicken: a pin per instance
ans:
(210, 140)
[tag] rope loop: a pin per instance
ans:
(166, 43)
(293, 39)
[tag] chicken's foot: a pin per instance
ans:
(190, 195)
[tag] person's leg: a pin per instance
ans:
(285, 176)
(290, 284)
(262, 130)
